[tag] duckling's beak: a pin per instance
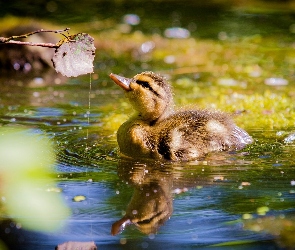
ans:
(123, 82)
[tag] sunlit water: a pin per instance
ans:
(209, 197)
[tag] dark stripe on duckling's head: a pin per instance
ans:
(146, 85)
(152, 78)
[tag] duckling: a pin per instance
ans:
(157, 131)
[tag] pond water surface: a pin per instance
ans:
(223, 201)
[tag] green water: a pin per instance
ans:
(209, 197)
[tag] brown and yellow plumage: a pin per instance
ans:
(158, 131)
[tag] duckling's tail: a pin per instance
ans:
(242, 138)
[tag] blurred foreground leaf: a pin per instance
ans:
(26, 160)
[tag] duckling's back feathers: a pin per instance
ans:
(193, 133)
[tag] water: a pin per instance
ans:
(202, 202)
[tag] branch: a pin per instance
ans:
(73, 56)
(48, 45)
(11, 40)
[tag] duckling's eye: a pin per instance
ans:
(147, 86)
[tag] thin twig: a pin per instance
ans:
(11, 40)
(37, 31)
(48, 45)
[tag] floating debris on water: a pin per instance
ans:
(79, 198)
(247, 216)
(218, 178)
(180, 190)
(262, 210)
(244, 183)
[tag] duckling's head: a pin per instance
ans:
(149, 93)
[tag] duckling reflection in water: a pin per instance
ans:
(149, 208)
(151, 204)
(159, 132)
(154, 186)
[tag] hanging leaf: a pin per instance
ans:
(74, 55)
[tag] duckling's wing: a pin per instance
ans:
(191, 134)
(241, 137)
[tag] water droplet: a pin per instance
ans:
(27, 67)
(152, 236)
(169, 59)
(222, 36)
(177, 32)
(123, 241)
(275, 81)
(38, 80)
(16, 66)
(131, 19)
(147, 46)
